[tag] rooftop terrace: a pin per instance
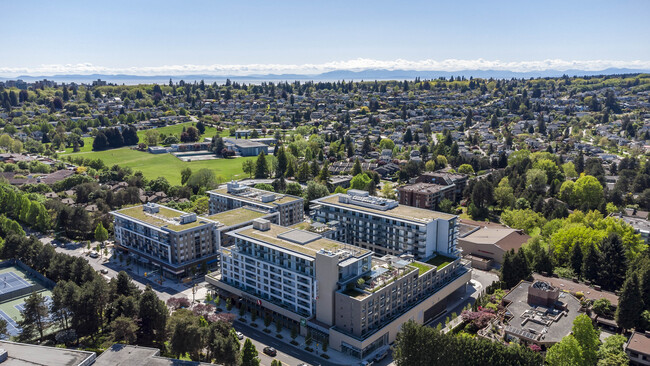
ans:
(399, 212)
(258, 196)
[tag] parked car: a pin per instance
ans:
(270, 351)
(103, 271)
(366, 363)
(94, 254)
(240, 336)
(381, 355)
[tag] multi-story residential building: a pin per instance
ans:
(386, 227)
(234, 195)
(174, 241)
(458, 181)
(330, 289)
(425, 195)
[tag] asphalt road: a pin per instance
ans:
(287, 354)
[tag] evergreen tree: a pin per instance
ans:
(35, 317)
(591, 264)
(614, 264)
(356, 168)
(282, 162)
(153, 318)
(100, 142)
(261, 168)
(576, 259)
(629, 303)
(408, 136)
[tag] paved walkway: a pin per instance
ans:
(336, 358)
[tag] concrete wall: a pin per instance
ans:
(416, 314)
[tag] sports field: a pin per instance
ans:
(166, 165)
(15, 279)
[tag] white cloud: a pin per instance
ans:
(354, 65)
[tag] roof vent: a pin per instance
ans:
(187, 218)
(268, 197)
(261, 224)
(151, 208)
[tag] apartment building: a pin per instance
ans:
(425, 195)
(174, 241)
(290, 209)
(386, 227)
(333, 290)
(457, 180)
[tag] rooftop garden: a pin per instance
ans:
(422, 267)
(440, 261)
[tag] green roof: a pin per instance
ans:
(237, 216)
(165, 217)
(440, 261)
(423, 267)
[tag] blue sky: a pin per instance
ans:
(311, 36)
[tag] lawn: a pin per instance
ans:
(440, 261)
(165, 165)
(423, 268)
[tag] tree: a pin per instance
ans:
(591, 264)
(249, 354)
(588, 192)
(100, 142)
(101, 234)
(186, 173)
(248, 167)
(466, 169)
(185, 335)
(565, 352)
(35, 316)
(611, 352)
(153, 318)
(261, 169)
(614, 264)
(536, 180)
(124, 330)
(504, 194)
(360, 181)
(629, 303)
(282, 163)
(200, 127)
(388, 191)
(576, 259)
(356, 168)
(202, 179)
(314, 191)
(587, 337)
(408, 136)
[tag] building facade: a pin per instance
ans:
(386, 227)
(425, 195)
(234, 195)
(331, 289)
(173, 241)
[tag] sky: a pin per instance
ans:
(258, 37)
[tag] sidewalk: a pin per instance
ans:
(335, 356)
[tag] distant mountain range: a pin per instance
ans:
(370, 74)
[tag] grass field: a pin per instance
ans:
(165, 165)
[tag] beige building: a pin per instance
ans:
(485, 245)
(233, 195)
(333, 290)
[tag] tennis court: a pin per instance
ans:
(10, 281)
(12, 326)
(21, 306)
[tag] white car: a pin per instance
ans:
(240, 336)
(94, 254)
